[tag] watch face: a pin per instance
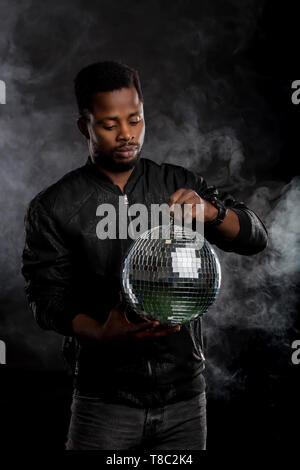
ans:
(220, 206)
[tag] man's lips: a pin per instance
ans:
(126, 152)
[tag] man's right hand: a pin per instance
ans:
(118, 327)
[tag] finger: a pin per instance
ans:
(182, 211)
(188, 197)
(118, 306)
(167, 328)
(143, 326)
(184, 207)
(118, 309)
(155, 333)
(133, 317)
(175, 196)
(125, 313)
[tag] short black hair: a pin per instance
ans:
(103, 76)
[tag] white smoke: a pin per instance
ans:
(259, 293)
(202, 111)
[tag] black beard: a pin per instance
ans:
(110, 164)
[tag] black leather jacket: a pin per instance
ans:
(69, 270)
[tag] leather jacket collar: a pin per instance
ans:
(105, 180)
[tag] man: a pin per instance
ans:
(136, 384)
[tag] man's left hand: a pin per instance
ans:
(189, 196)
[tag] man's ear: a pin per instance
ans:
(82, 126)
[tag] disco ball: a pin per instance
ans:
(175, 279)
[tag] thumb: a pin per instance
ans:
(117, 309)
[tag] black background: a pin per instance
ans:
(246, 76)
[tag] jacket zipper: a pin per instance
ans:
(126, 202)
(148, 361)
(149, 368)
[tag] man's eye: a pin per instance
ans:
(133, 123)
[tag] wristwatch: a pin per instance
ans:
(222, 211)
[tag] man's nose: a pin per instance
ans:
(125, 133)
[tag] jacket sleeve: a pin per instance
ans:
(252, 237)
(47, 269)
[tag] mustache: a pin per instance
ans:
(128, 146)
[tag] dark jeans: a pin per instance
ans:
(98, 425)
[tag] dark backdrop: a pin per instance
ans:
(216, 77)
